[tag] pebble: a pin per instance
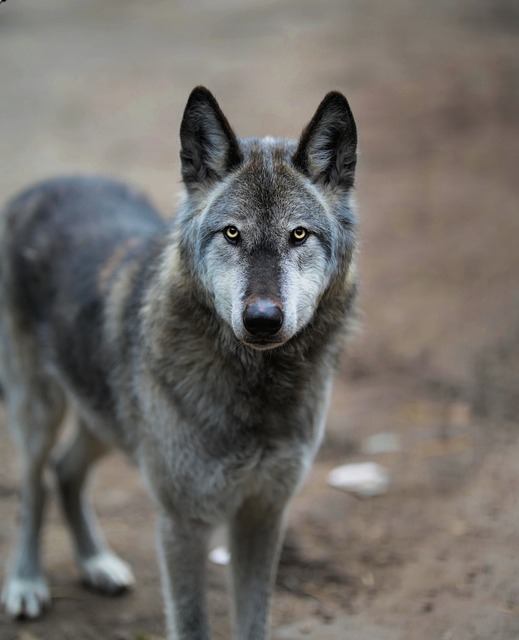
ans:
(220, 556)
(365, 479)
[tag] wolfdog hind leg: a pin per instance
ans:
(182, 553)
(255, 539)
(100, 566)
(34, 408)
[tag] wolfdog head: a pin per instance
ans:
(267, 226)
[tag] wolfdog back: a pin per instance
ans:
(204, 347)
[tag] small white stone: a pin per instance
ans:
(365, 479)
(220, 556)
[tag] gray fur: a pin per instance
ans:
(139, 326)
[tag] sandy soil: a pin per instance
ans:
(100, 86)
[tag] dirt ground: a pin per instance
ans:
(98, 86)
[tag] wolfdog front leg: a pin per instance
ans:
(182, 553)
(255, 538)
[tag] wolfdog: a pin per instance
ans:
(204, 347)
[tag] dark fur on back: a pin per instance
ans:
(62, 235)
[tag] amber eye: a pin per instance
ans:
(232, 234)
(299, 235)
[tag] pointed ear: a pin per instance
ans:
(327, 151)
(209, 147)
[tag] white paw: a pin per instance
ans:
(25, 597)
(107, 573)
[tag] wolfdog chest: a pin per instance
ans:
(220, 429)
(211, 461)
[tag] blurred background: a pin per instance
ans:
(99, 86)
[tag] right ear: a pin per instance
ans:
(327, 150)
(209, 147)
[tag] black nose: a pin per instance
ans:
(262, 318)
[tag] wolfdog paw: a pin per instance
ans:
(25, 597)
(108, 573)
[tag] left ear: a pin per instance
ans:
(327, 150)
(209, 147)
